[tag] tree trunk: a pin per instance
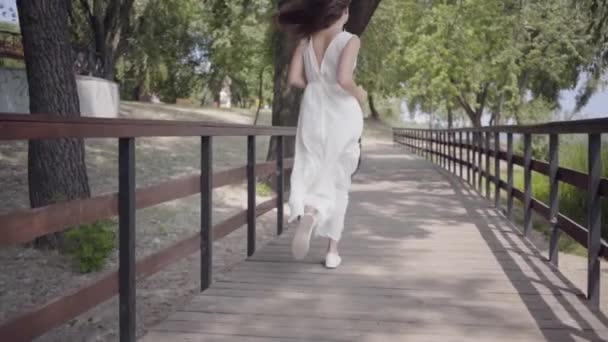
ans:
(450, 118)
(260, 95)
(372, 107)
(286, 102)
(108, 21)
(361, 12)
(56, 168)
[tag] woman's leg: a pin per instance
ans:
(301, 239)
(332, 246)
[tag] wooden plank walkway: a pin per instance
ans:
(425, 259)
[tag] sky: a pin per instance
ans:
(8, 11)
(597, 107)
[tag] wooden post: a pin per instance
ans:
(449, 150)
(510, 176)
(497, 170)
(460, 159)
(488, 180)
(527, 183)
(206, 207)
(468, 156)
(554, 199)
(280, 184)
(251, 195)
(480, 161)
(594, 236)
(126, 228)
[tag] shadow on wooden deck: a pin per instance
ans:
(425, 259)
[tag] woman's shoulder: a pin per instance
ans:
(348, 37)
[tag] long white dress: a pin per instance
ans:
(327, 150)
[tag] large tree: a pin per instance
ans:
(56, 168)
(104, 29)
(286, 100)
(597, 12)
(496, 57)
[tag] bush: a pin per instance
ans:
(90, 245)
(263, 189)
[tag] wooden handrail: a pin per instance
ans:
(25, 225)
(587, 126)
(26, 127)
(440, 146)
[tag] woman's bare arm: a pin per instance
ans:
(346, 66)
(296, 76)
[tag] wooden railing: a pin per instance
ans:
(467, 152)
(26, 225)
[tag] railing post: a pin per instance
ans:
(497, 170)
(460, 159)
(488, 179)
(410, 143)
(510, 176)
(126, 227)
(468, 136)
(251, 195)
(430, 145)
(446, 160)
(480, 162)
(554, 198)
(448, 138)
(420, 143)
(455, 153)
(280, 184)
(206, 207)
(527, 183)
(439, 147)
(594, 236)
(426, 145)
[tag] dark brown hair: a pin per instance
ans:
(305, 17)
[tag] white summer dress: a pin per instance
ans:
(327, 149)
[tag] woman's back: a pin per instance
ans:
(322, 66)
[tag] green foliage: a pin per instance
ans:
(240, 47)
(90, 245)
(264, 190)
(187, 49)
(491, 55)
(164, 55)
(597, 12)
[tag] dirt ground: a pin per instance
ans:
(31, 277)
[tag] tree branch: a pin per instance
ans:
(89, 13)
(482, 99)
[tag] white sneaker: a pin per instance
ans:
(301, 239)
(332, 260)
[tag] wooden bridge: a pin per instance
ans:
(426, 258)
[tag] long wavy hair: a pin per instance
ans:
(302, 18)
